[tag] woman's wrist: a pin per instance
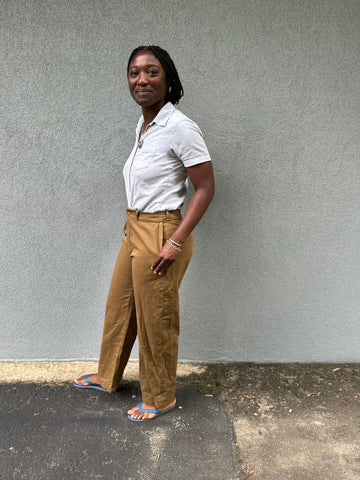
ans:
(174, 245)
(178, 238)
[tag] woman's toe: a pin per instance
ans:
(132, 411)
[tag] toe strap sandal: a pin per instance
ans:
(148, 410)
(90, 384)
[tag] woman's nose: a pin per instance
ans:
(142, 79)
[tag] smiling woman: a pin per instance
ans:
(147, 81)
(158, 243)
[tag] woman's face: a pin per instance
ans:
(147, 81)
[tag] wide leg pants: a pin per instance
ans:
(141, 303)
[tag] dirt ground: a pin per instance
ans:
(292, 422)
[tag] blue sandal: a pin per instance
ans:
(147, 410)
(90, 384)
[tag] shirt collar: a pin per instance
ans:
(162, 117)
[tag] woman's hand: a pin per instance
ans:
(166, 257)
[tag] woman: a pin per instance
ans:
(157, 244)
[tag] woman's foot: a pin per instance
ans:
(135, 413)
(93, 377)
(89, 381)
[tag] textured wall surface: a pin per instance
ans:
(274, 85)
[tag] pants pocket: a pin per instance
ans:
(168, 229)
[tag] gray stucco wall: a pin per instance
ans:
(274, 85)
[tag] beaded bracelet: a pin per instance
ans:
(177, 244)
(173, 246)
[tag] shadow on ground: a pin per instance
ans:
(52, 432)
(292, 422)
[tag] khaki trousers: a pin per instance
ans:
(146, 305)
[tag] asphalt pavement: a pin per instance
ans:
(231, 422)
(51, 432)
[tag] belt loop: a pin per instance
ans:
(137, 214)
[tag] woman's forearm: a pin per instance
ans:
(202, 178)
(198, 204)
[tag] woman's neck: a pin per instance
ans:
(149, 113)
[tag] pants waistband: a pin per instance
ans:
(154, 216)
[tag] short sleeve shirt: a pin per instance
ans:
(155, 173)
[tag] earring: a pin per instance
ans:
(169, 89)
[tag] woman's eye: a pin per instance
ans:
(152, 72)
(133, 73)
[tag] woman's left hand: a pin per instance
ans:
(166, 257)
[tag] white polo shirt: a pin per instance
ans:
(155, 172)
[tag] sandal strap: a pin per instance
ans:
(87, 380)
(147, 410)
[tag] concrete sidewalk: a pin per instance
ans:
(294, 422)
(234, 421)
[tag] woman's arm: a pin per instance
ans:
(202, 178)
